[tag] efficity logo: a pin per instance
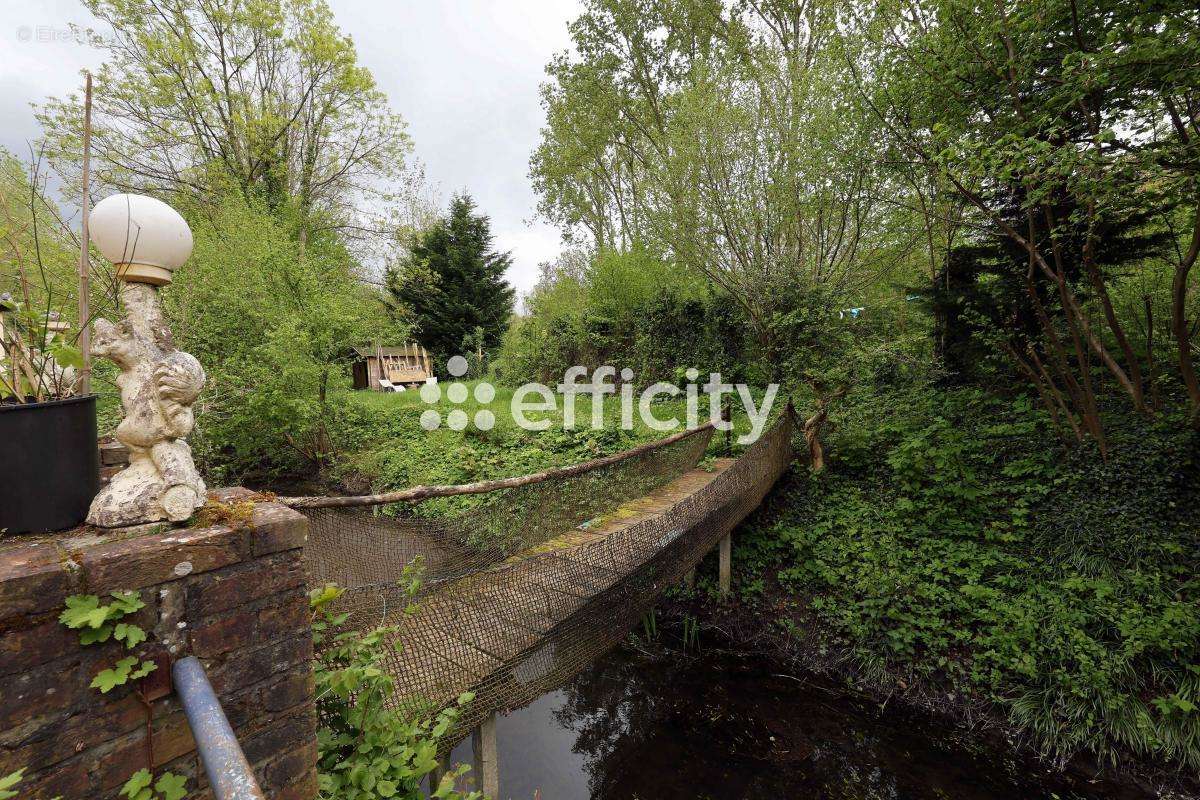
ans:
(543, 401)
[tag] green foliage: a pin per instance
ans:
(950, 541)
(726, 134)
(97, 623)
(142, 786)
(367, 750)
(1055, 127)
(273, 321)
(451, 283)
(39, 289)
(7, 782)
(626, 309)
(265, 100)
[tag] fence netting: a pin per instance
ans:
(530, 584)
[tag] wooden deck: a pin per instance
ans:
(469, 630)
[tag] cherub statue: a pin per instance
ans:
(158, 386)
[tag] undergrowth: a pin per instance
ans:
(955, 540)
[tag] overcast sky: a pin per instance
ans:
(463, 73)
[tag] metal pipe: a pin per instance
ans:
(228, 771)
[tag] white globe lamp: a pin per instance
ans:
(144, 238)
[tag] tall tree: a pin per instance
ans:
(262, 97)
(1078, 113)
(450, 284)
(726, 136)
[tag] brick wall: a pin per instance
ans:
(114, 457)
(231, 594)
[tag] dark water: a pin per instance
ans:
(672, 726)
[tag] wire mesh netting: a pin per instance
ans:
(538, 580)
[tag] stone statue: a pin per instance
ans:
(158, 386)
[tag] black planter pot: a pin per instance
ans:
(49, 464)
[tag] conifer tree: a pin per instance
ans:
(451, 283)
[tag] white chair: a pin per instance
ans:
(388, 386)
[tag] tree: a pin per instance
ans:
(274, 324)
(726, 136)
(266, 99)
(1079, 114)
(451, 283)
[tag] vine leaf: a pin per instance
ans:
(138, 786)
(131, 635)
(118, 675)
(170, 786)
(9, 781)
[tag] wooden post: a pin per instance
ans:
(85, 281)
(487, 768)
(726, 562)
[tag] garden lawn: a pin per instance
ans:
(381, 438)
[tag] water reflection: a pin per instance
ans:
(671, 727)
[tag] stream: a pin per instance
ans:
(666, 725)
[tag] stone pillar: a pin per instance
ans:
(487, 766)
(726, 565)
(230, 591)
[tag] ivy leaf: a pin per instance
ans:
(131, 635)
(137, 783)
(385, 789)
(67, 356)
(170, 786)
(9, 781)
(145, 669)
(109, 679)
(127, 602)
(95, 635)
(79, 611)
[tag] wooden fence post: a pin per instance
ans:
(487, 768)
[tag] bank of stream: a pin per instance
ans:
(652, 722)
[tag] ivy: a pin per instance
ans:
(7, 783)
(98, 623)
(142, 786)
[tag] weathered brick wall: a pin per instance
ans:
(114, 457)
(231, 594)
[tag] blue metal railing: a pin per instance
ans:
(228, 771)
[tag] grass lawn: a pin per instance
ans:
(382, 438)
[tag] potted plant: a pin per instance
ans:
(49, 463)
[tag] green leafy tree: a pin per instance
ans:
(264, 98)
(273, 320)
(1081, 115)
(725, 134)
(451, 283)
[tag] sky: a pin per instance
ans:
(463, 73)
